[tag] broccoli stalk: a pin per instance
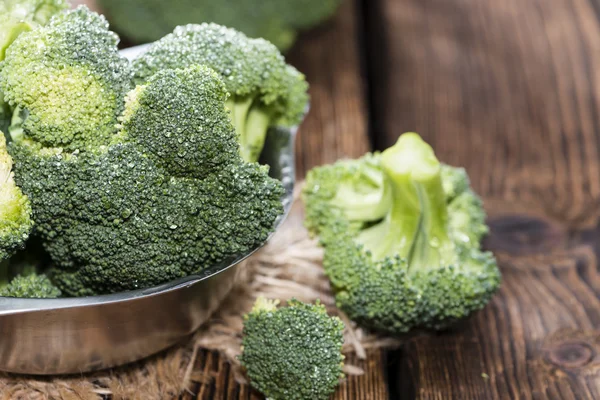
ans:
(416, 225)
(294, 352)
(411, 257)
(251, 121)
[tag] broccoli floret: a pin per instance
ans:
(275, 20)
(15, 209)
(402, 236)
(30, 286)
(18, 16)
(182, 149)
(265, 91)
(129, 215)
(65, 82)
(294, 352)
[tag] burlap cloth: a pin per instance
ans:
(289, 266)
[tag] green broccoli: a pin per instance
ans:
(265, 91)
(15, 208)
(18, 16)
(402, 237)
(30, 286)
(292, 353)
(164, 195)
(275, 20)
(65, 82)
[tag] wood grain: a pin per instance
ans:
(337, 125)
(509, 89)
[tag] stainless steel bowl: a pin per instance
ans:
(75, 335)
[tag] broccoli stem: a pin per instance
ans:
(398, 231)
(416, 226)
(251, 123)
(257, 126)
(369, 201)
(239, 108)
(432, 237)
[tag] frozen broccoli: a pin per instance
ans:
(402, 236)
(294, 352)
(275, 20)
(264, 90)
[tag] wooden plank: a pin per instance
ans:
(337, 124)
(509, 89)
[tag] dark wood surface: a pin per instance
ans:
(509, 89)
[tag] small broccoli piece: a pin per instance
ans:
(129, 214)
(410, 257)
(30, 286)
(18, 16)
(265, 91)
(294, 352)
(65, 82)
(15, 209)
(275, 20)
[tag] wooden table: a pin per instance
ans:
(509, 89)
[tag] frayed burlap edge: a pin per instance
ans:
(288, 267)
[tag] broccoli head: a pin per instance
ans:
(402, 237)
(15, 209)
(166, 197)
(294, 352)
(264, 90)
(275, 20)
(18, 16)
(65, 82)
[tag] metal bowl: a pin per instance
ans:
(75, 335)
